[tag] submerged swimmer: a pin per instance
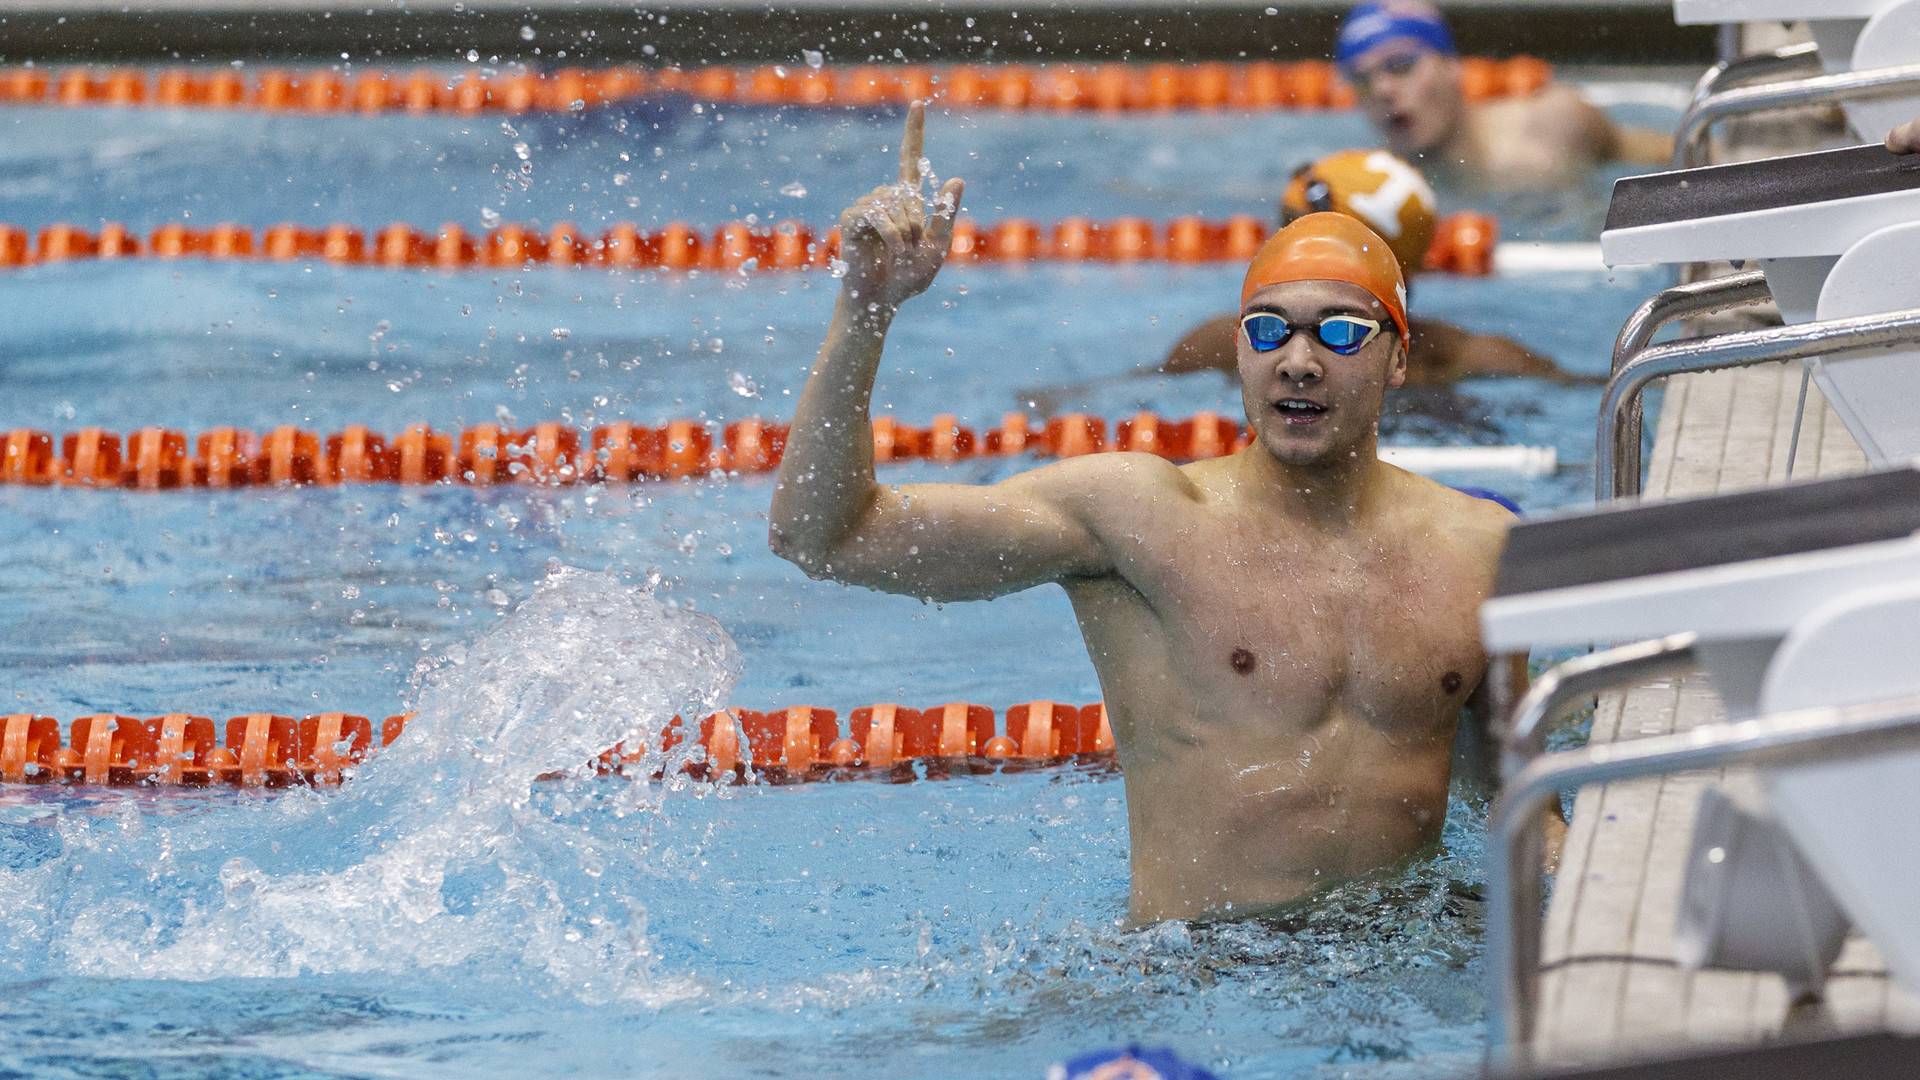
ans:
(1391, 198)
(1285, 637)
(1399, 56)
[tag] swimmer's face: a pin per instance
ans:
(1306, 403)
(1412, 95)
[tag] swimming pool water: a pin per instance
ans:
(444, 914)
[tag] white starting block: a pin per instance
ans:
(1838, 235)
(1852, 35)
(1802, 596)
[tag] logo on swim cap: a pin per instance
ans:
(1388, 195)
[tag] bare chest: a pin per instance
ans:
(1267, 627)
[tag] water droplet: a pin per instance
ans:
(794, 189)
(526, 33)
(489, 217)
(560, 333)
(743, 385)
(814, 57)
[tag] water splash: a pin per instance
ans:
(444, 852)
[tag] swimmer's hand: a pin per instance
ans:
(1905, 139)
(893, 244)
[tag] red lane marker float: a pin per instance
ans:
(790, 745)
(552, 454)
(1106, 88)
(1463, 244)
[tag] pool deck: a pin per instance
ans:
(1610, 988)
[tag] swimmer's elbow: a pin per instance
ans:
(799, 547)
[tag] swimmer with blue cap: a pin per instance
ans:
(1400, 57)
(1286, 637)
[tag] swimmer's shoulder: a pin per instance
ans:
(1477, 525)
(1099, 486)
(1559, 110)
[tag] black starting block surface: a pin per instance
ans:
(1663, 538)
(1769, 184)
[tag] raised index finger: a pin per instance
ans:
(911, 142)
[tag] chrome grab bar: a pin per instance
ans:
(1660, 310)
(1745, 71)
(1514, 929)
(1756, 67)
(1716, 352)
(1564, 685)
(1556, 691)
(1690, 138)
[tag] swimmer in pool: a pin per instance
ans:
(1391, 198)
(1399, 56)
(1285, 637)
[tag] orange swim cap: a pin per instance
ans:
(1388, 195)
(1330, 247)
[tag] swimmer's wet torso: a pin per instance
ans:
(1284, 637)
(1283, 693)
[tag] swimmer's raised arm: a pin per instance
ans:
(939, 541)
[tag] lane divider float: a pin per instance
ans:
(1463, 244)
(1107, 88)
(162, 459)
(797, 743)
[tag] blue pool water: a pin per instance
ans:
(443, 914)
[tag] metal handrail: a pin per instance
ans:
(1797, 737)
(1563, 685)
(1615, 461)
(1558, 690)
(1690, 138)
(1745, 71)
(1659, 311)
(1753, 68)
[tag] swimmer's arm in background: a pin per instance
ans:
(1207, 347)
(1443, 351)
(939, 541)
(1642, 146)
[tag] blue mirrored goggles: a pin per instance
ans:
(1343, 335)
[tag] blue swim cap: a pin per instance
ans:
(1377, 22)
(1133, 1063)
(1491, 496)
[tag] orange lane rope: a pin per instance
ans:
(158, 459)
(1112, 88)
(1463, 244)
(797, 743)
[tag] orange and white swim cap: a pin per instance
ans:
(1330, 247)
(1388, 194)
